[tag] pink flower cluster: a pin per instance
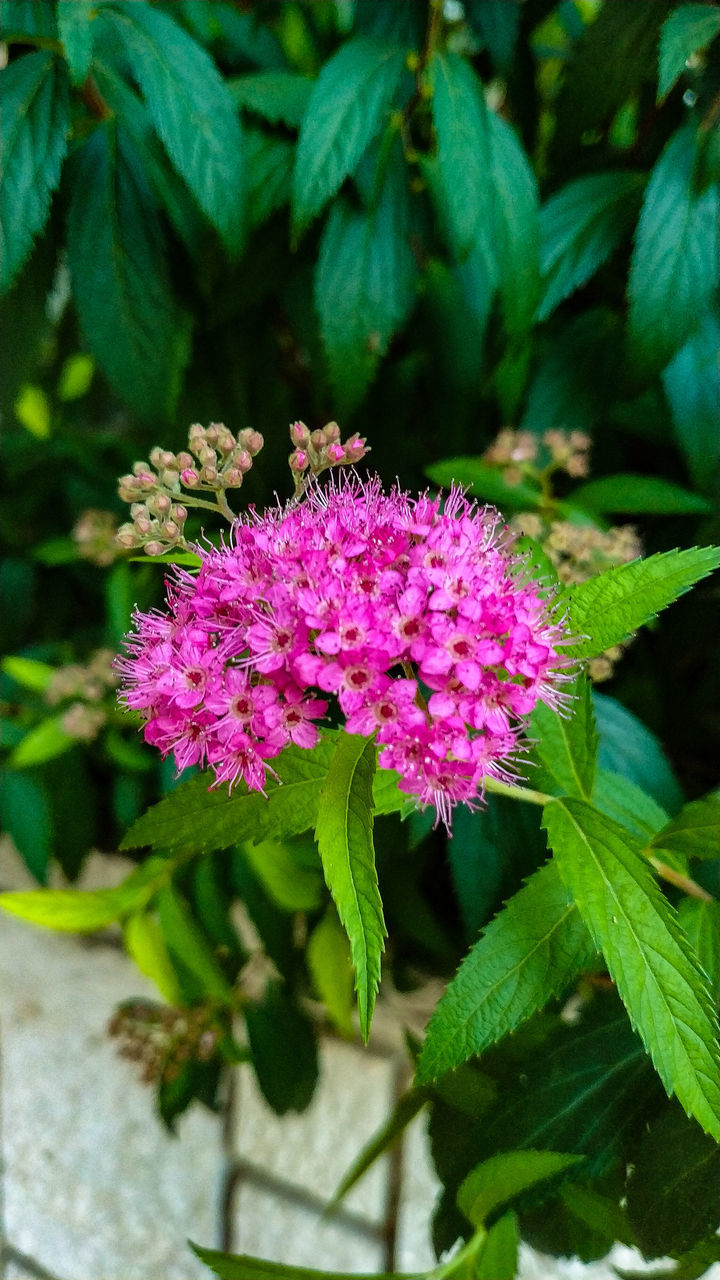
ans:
(418, 620)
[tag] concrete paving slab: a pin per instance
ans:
(93, 1186)
(280, 1231)
(314, 1149)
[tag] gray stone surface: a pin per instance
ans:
(313, 1150)
(420, 1188)
(281, 1231)
(93, 1187)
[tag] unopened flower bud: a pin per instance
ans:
(190, 478)
(183, 460)
(335, 453)
(170, 477)
(318, 440)
(127, 537)
(154, 548)
(143, 525)
(209, 475)
(242, 460)
(250, 440)
(179, 514)
(212, 432)
(332, 431)
(128, 488)
(233, 478)
(355, 448)
(226, 441)
(196, 432)
(161, 505)
(299, 433)
(298, 460)
(170, 530)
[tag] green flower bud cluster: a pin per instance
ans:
(95, 536)
(317, 451)
(87, 688)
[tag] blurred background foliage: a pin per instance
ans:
(433, 222)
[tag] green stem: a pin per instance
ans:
(688, 886)
(515, 793)
(225, 508)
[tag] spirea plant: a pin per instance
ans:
(354, 657)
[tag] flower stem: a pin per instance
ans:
(515, 793)
(688, 886)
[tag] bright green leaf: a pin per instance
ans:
(32, 409)
(145, 945)
(75, 26)
(639, 495)
(47, 740)
(607, 609)
(387, 797)
(673, 272)
(529, 953)
(76, 377)
(567, 744)
(28, 672)
(349, 102)
(189, 947)
(192, 110)
(120, 281)
(36, 121)
(498, 1258)
(365, 283)
(330, 967)
(647, 954)
(463, 186)
(280, 97)
(344, 835)
(293, 883)
(242, 1267)
(700, 919)
(687, 30)
(580, 226)
(500, 1179)
(195, 819)
(628, 804)
(695, 832)
(79, 911)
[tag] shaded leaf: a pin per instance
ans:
(277, 96)
(672, 1189)
(608, 608)
(646, 952)
(26, 17)
(75, 27)
(692, 387)
(270, 164)
(463, 189)
(26, 816)
(516, 226)
(695, 832)
(344, 835)
(330, 967)
(292, 880)
(683, 33)
(701, 921)
(36, 121)
(351, 97)
(484, 482)
(628, 804)
(529, 953)
(627, 747)
(497, 1181)
(284, 1052)
(404, 1112)
(639, 495)
(497, 22)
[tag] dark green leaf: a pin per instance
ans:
(567, 744)
(365, 283)
(529, 953)
(196, 818)
(673, 273)
(608, 608)
(284, 1052)
(497, 22)
(687, 30)
(497, 1181)
(277, 96)
(347, 107)
(463, 188)
(701, 921)
(646, 952)
(672, 1190)
(190, 949)
(26, 17)
(484, 482)
(491, 850)
(516, 226)
(120, 281)
(36, 113)
(575, 378)
(75, 25)
(26, 817)
(344, 835)
(692, 387)
(639, 495)
(695, 832)
(580, 226)
(629, 748)
(192, 111)
(270, 164)
(628, 804)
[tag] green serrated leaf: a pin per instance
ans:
(628, 804)
(145, 945)
(349, 102)
(119, 277)
(192, 110)
(75, 27)
(280, 97)
(344, 835)
(330, 968)
(78, 911)
(47, 740)
(529, 953)
(387, 798)
(196, 819)
(463, 185)
(639, 495)
(365, 283)
(700, 919)
(692, 386)
(673, 272)
(647, 954)
(695, 832)
(36, 113)
(684, 32)
(484, 482)
(672, 1189)
(516, 226)
(500, 1179)
(628, 748)
(568, 744)
(607, 609)
(580, 227)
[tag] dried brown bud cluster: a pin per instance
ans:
(160, 490)
(316, 451)
(88, 687)
(162, 1039)
(521, 453)
(579, 552)
(94, 535)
